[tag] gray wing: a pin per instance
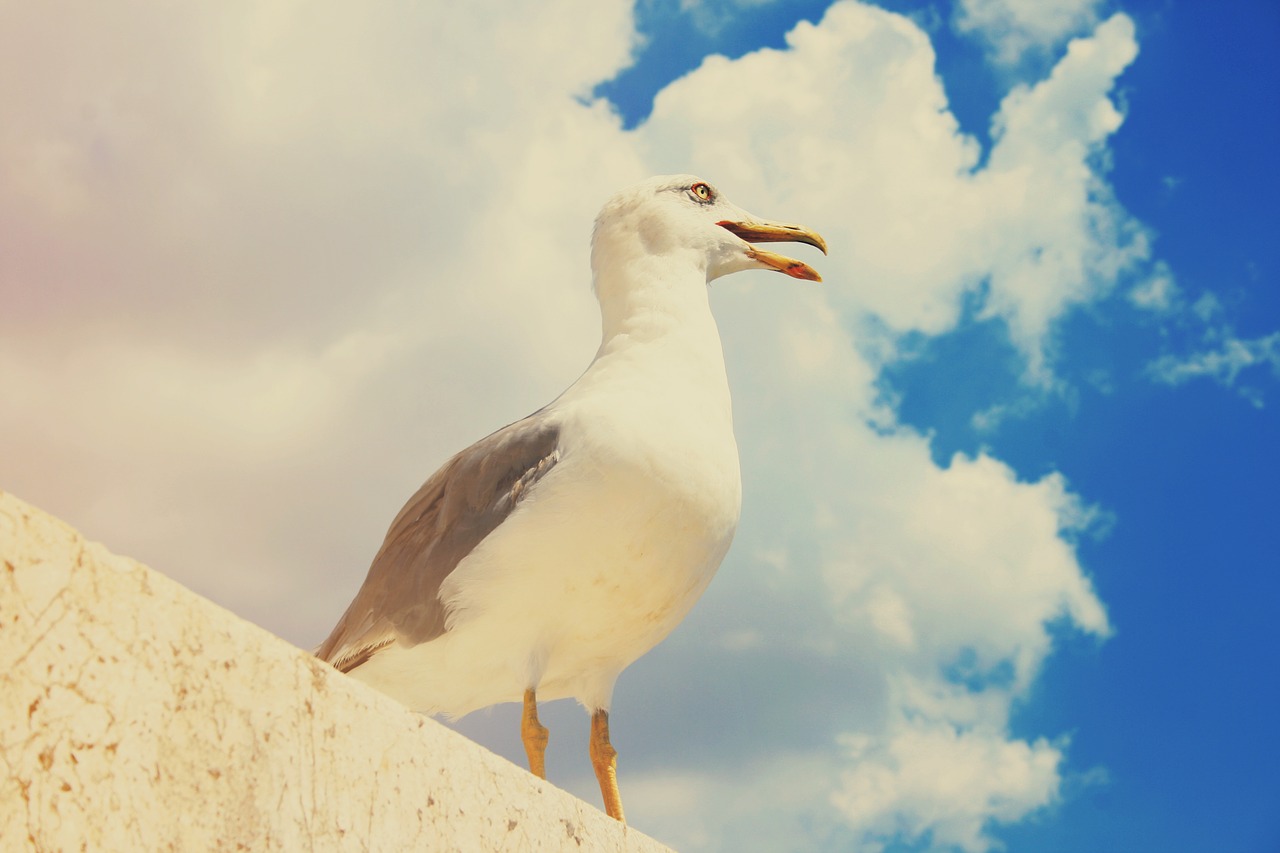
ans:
(450, 515)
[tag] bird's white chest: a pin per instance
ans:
(615, 545)
(662, 452)
(650, 529)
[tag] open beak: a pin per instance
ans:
(778, 232)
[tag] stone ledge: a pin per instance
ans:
(136, 715)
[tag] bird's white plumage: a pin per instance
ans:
(607, 552)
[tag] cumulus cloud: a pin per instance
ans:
(925, 781)
(884, 168)
(272, 265)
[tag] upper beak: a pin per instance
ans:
(778, 232)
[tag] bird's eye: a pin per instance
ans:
(701, 192)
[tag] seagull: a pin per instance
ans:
(541, 561)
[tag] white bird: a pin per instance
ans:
(544, 559)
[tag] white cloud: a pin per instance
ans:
(1012, 28)
(272, 265)
(712, 16)
(992, 418)
(852, 124)
(1202, 342)
(1158, 293)
(1073, 242)
(921, 780)
(1223, 363)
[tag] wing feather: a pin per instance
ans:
(456, 508)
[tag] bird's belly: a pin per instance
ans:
(599, 566)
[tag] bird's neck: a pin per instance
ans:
(653, 298)
(657, 308)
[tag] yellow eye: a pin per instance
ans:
(701, 191)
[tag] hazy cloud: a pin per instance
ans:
(1201, 340)
(1159, 293)
(1012, 28)
(1223, 362)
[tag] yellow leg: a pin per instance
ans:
(604, 758)
(535, 735)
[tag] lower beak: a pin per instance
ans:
(777, 232)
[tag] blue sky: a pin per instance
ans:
(1171, 706)
(1006, 565)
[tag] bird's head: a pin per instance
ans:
(681, 216)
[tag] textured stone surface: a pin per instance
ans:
(135, 715)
